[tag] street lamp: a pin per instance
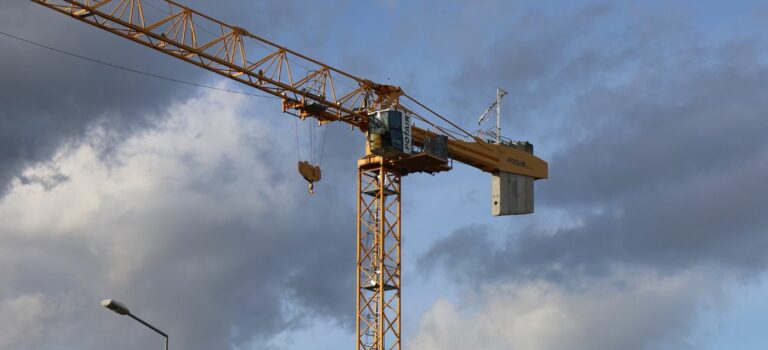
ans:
(121, 309)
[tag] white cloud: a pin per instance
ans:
(23, 318)
(199, 223)
(631, 310)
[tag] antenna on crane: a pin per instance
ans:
(493, 132)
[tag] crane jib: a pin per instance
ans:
(323, 93)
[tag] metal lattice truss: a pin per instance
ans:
(378, 258)
(305, 85)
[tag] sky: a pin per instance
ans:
(184, 203)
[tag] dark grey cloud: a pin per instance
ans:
(49, 99)
(653, 125)
(220, 247)
(210, 277)
(208, 284)
(661, 154)
(548, 59)
(636, 122)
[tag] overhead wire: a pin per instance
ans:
(437, 115)
(205, 86)
(179, 81)
(313, 155)
(132, 70)
(451, 133)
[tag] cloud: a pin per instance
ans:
(668, 177)
(50, 99)
(654, 131)
(23, 319)
(190, 212)
(631, 310)
(193, 224)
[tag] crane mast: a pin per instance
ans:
(309, 88)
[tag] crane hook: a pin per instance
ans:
(311, 173)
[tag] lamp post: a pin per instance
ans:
(121, 309)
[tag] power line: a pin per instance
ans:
(131, 70)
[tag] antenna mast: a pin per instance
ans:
(499, 95)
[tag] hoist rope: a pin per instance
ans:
(322, 148)
(298, 145)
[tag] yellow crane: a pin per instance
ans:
(395, 146)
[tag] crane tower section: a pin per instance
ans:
(378, 255)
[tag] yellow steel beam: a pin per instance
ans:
(378, 256)
(235, 53)
(228, 53)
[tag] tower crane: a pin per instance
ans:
(308, 88)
